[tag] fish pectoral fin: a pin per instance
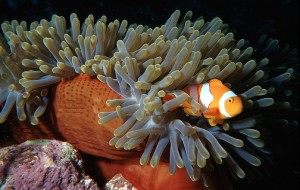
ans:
(190, 112)
(214, 122)
(211, 113)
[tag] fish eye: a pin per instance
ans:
(230, 100)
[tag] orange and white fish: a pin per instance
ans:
(217, 101)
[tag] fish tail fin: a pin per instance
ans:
(189, 111)
(168, 97)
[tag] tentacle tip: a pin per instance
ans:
(154, 163)
(100, 121)
(143, 161)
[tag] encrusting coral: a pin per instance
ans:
(140, 65)
(43, 164)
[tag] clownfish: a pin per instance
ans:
(217, 101)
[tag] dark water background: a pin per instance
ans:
(249, 19)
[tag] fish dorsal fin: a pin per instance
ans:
(215, 81)
(217, 84)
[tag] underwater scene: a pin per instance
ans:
(149, 95)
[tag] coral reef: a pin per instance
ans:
(141, 65)
(43, 164)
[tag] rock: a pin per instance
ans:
(43, 164)
(119, 182)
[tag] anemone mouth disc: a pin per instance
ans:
(142, 64)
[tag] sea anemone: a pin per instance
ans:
(142, 64)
